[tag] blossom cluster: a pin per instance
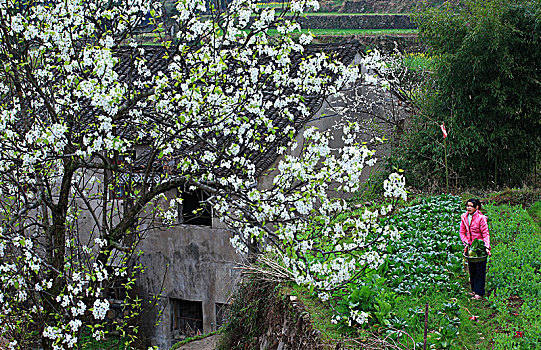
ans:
(304, 198)
(394, 186)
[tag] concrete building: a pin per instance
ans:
(191, 268)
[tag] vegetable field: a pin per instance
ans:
(423, 266)
(426, 266)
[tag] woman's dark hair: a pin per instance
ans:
(476, 203)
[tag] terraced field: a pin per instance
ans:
(372, 22)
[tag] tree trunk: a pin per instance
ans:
(57, 238)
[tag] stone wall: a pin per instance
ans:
(386, 43)
(357, 22)
(263, 317)
(377, 6)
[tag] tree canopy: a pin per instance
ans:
(96, 127)
(488, 77)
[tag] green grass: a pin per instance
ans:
(279, 8)
(475, 334)
(525, 196)
(354, 14)
(194, 338)
(285, 5)
(321, 14)
(87, 342)
(495, 322)
(150, 39)
(279, 3)
(362, 31)
(513, 277)
(418, 61)
(472, 335)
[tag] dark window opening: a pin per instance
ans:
(116, 289)
(194, 212)
(221, 314)
(187, 320)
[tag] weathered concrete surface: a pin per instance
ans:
(188, 262)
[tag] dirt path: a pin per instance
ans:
(209, 343)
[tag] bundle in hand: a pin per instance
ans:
(477, 249)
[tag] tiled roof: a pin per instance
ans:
(154, 56)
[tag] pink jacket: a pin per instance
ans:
(478, 229)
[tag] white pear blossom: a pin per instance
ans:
(359, 317)
(100, 309)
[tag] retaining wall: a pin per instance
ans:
(387, 43)
(357, 22)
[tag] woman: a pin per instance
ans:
(473, 225)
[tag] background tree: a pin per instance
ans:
(95, 129)
(487, 76)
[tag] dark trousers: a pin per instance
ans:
(478, 274)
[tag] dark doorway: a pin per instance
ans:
(187, 319)
(221, 314)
